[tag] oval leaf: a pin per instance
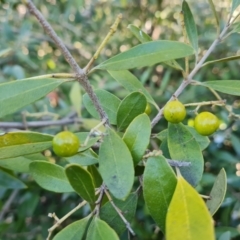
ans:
(147, 54)
(225, 236)
(139, 34)
(131, 106)
(131, 83)
(74, 231)
(159, 182)
(231, 87)
(85, 158)
(190, 26)
(14, 144)
(218, 192)
(183, 147)
(50, 176)
(97, 179)
(127, 208)
(81, 181)
(99, 230)
(108, 101)
(17, 94)
(137, 136)
(188, 217)
(8, 181)
(116, 165)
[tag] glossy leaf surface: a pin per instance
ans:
(14, 144)
(147, 54)
(137, 136)
(188, 216)
(81, 181)
(131, 106)
(116, 165)
(159, 182)
(108, 101)
(183, 147)
(139, 34)
(50, 176)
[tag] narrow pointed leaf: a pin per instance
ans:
(183, 147)
(218, 192)
(139, 34)
(74, 231)
(8, 181)
(97, 179)
(235, 4)
(137, 136)
(190, 26)
(99, 230)
(147, 54)
(159, 182)
(128, 209)
(215, 15)
(81, 181)
(131, 83)
(131, 106)
(231, 87)
(50, 176)
(188, 216)
(227, 59)
(202, 141)
(76, 97)
(116, 165)
(108, 101)
(85, 158)
(14, 144)
(17, 94)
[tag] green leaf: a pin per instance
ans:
(111, 217)
(85, 158)
(99, 230)
(8, 181)
(131, 106)
(81, 181)
(139, 34)
(76, 97)
(227, 59)
(147, 54)
(131, 83)
(74, 231)
(215, 15)
(14, 144)
(202, 141)
(225, 236)
(82, 136)
(190, 26)
(17, 94)
(183, 147)
(20, 164)
(108, 101)
(218, 192)
(159, 182)
(231, 87)
(235, 4)
(97, 179)
(50, 176)
(116, 165)
(137, 136)
(188, 217)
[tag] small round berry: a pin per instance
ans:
(174, 111)
(148, 109)
(206, 123)
(65, 144)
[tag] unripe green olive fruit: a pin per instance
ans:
(174, 111)
(206, 123)
(65, 144)
(148, 109)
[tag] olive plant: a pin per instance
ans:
(113, 164)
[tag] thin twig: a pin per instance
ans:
(189, 79)
(216, 103)
(8, 203)
(99, 200)
(128, 226)
(80, 74)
